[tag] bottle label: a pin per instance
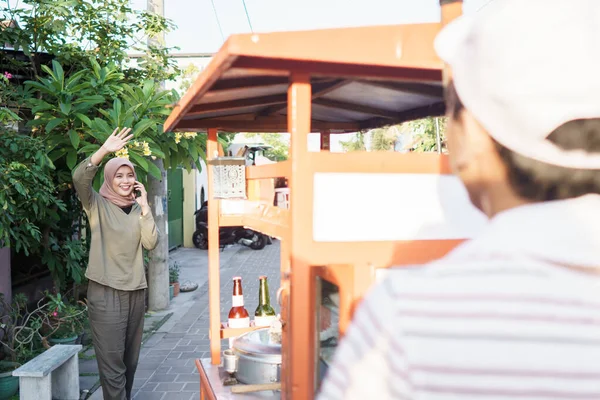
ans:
(264, 321)
(239, 322)
(237, 301)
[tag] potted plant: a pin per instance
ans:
(174, 270)
(65, 322)
(20, 339)
(9, 385)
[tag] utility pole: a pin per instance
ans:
(158, 270)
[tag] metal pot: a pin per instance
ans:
(258, 361)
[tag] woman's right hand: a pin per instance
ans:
(117, 141)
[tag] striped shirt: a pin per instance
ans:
(513, 314)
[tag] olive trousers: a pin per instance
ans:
(117, 324)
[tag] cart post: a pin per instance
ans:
(301, 321)
(213, 255)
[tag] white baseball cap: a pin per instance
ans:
(525, 67)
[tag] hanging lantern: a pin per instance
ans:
(229, 177)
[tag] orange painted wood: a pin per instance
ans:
(227, 333)
(214, 296)
(301, 318)
(280, 169)
(379, 162)
(206, 391)
(380, 254)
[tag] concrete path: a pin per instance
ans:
(176, 337)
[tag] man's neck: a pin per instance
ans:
(500, 198)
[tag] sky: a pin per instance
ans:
(198, 31)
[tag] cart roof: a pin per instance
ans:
(361, 78)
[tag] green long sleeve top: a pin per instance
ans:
(116, 258)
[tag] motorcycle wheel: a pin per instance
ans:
(259, 243)
(200, 240)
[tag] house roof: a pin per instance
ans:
(361, 78)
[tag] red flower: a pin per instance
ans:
(7, 75)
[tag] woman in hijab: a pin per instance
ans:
(121, 224)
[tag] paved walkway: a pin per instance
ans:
(176, 337)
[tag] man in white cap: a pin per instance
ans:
(515, 312)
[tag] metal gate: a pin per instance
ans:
(175, 202)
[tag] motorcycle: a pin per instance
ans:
(227, 234)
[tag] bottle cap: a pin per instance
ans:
(262, 277)
(237, 278)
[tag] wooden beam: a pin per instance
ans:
(279, 169)
(318, 89)
(408, 87)
(260, 124)
(248, 82)
(434, 110)
(342, 105)
(200, 109)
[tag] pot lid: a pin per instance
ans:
(256, 343)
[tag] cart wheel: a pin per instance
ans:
(200, 240)
(259, 243)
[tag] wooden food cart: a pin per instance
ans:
(328, 82)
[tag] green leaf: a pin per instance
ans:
(74, 136)
(65, 108)
(42, 106)
(95, 99)
(142, 126)
(71, 159)
(157, 152)
(54, 123)
(84, 119)
(88, 148)
(56, 154)
(154, 171)
(139, 161)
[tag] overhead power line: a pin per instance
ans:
(247, 16)
(218, 21)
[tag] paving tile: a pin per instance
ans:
(182, 396)
(158, 353)
(184, 348)
(151, 396)
(174, 363)
(191, 387)
(143, 374)
(182, 370)
(159, 378)
(163, 370)
(188, 378)
(87, 382)
(174, 355)
(145, 366)
(88, 366)
(153, 359)
(148, 387)
(177, 335)
(170, 387)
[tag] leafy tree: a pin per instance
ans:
(71, 105)
(27, 192)
(383, 139)
(188, 76)
(280, 147)
(355, 143)
(425, 133)
(72, 31)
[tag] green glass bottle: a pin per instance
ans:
(264, 314)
